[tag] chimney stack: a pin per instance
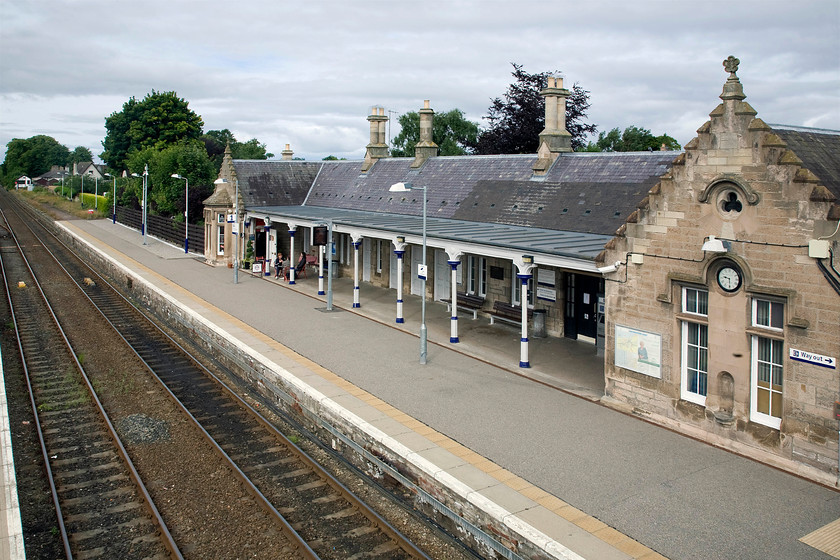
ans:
(555, 138)
(425, 148)
(377, 148)
(287, 153)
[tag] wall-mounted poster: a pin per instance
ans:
(639, 351)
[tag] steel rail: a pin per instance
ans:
(168, 540)
(373, 517)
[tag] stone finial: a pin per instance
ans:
(731, 65)
(732, 88)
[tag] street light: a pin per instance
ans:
(405, 187)
(82, 192)
(235, 226)
(114, 215)
(186, 212)
(145, 189)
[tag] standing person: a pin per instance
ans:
(278, 265)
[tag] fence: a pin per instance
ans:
(163, 228)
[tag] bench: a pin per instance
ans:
(468, 302)
(506, 312)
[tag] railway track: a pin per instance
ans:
(102, 507)
(320, 517)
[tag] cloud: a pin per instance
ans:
(307, 72)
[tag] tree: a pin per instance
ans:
(454, 135)
(517, 119)
(216, 140)
(633, 139)
(166, 194)
(32, 156)
(78, 155)
(161, 119)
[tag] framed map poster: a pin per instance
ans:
(639, 351)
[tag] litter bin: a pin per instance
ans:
(538, 324)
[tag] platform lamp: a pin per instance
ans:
(145, 192)
(186, 211)
(235, 226)
(114, 215)
(422, 273)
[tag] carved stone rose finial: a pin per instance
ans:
(731, 64)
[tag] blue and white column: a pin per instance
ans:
(453, 334)
(399, 250)
(292, 261)
(523, 300)
(268, 255)
(321, 270)
(356, 242)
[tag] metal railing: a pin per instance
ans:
(163, 228)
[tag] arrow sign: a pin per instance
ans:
(811, 358)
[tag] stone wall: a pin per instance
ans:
(735, 181)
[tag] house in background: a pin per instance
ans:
(707, 275)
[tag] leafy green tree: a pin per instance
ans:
(517, 119)
(216, 140)
(161, 119)
(453, 134)
(333, 158)
(78, 155)
(32, 156)
(633, 139)
(166, 193)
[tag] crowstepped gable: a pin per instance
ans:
(723, 276)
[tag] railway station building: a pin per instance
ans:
(706, 278)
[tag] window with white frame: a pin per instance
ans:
(220, 247)
(767, 367)
(517, 287)
(477, 276)
(694, 347)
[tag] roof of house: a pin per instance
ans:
(819, 150)
(274, 183)
(582, 192)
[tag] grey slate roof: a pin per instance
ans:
(282, 183)
(583, 192)
(819, 150)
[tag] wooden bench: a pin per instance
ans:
(506, 312)
(467, 302)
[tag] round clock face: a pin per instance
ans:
(729, 279)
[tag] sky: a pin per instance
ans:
(307, 73)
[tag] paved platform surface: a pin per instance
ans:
(615, 486)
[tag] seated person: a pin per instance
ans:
(301, 264)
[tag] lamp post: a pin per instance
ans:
(114, 215)
(82, 192)
(145, 188)
(235, 226)
(423, 273)
(186, 211)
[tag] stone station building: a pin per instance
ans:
(713, 267)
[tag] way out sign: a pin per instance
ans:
(811, 358)
(422, 271)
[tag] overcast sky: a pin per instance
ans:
(307, 72)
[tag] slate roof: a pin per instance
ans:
(269, 183)
(583, 192)
(819, 150)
